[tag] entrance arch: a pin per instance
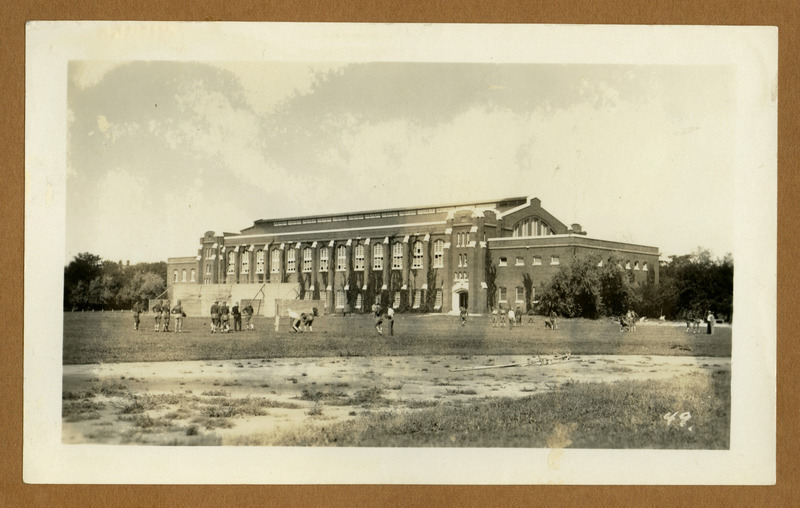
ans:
(460, 298)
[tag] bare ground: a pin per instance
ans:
(230, 401)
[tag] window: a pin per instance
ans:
(503, 295)
(359, 301)
(635, 265)
(359, 262)
(537, 260)
(519, 297)
(644, 266)
(175, 276)
(554, 260)
(519, 261)
(231, 262)
(341, 258)
(417, 298)
(193, 274)
(600, 263)
(503, 261)
(397, 256)
(438, 303)
(465, 260)
(416, 262)
(245, 263)
(323, 259)
(308, 261)
(183, 275)
(340, 298)
(523, 228)
(463, 275)
(438, 254)
(260, 261)
(276, 261)
(208, 269)
(460, 261)
(396, 302)
(627, 265)
(291, 262)
(377, 256)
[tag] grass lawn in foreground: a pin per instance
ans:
(93, 337)
(625, 414)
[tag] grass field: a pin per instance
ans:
(109, 337)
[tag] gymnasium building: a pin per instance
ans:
(423, 259)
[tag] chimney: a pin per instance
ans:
(577, 230)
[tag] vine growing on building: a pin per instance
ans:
(491, 287)
(527, 283)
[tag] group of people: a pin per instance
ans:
(162, 313)
(221, 317)
(627, 322)
(515, 317)
(695, 319)
(303, 321)
(381, 316)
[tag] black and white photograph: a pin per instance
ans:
(340, 253)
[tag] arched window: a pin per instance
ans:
(377, 256)
(323, 259)
(193, 275)
(397, 256)
(644, 266)
(245, 262)
(275, 257)
(438, 254)
(183, 275)
(416, 262)
(291, 262)
(359, 258)
(307, 260)
(260, 261)
(175, 276)
(232, 262)
(341, 258)
(531, 226)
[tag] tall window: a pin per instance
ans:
(193, 274)
(377, 256)
(359, 258)
(340, 298)
(416, 262)
(397, 256)
(417, 298)
(231, 262)
(208, 269)
(341, 258)
(359, 301)
(260, 261)
(276, 261)
(503, 295)
(245, 262)
(520, 295)
(396, 302)
(438, 254)
(308, 262)
(323, 259)
(438, 303)
(175, 276)
(183, 275)
(465, 260)
(291, 262)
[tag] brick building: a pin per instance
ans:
(429, 259)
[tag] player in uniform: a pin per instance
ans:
(137, 309)
(224, 317)
(165, 315)
(157, 311)
(215, 316)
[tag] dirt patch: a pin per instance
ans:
(233, 401)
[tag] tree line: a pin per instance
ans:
(690, 284)
(91, 283)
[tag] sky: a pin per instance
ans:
(158, 152)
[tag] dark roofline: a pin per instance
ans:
(385, 210)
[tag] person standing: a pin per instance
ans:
(215, 316)
(494, 317)
(178, 311)
(237, 318)
(378, 319)
(165, 315)
(137, 309)
(711, 320)
(224, 316)
(157, 311)
(502, 315)
(512, 318)
(463, 313)
(390, 320)
(247, 312)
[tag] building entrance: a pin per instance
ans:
(463, 300)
